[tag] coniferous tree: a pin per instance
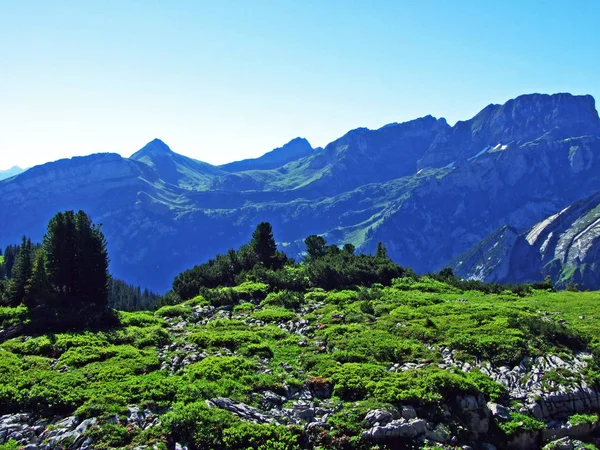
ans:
(39, 288)
(21, 273)
(349, 248)
(381, 252)
(77, 268)
(263, 244)
(315, 246)
(10, 255)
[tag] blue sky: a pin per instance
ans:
(225, 80)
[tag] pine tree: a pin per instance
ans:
(77, 268)
(381, 252)
(38, 287)
(21, 273)
(315, 246)
(263, 243)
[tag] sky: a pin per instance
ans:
(225, 80)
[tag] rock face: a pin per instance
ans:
(533, 383)
(427, 190)
(565, 245)
(525, 118)
(65, 433)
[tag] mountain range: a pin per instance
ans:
(428, 190)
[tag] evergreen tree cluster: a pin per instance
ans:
(325, 266)
(126, 297)
(64, 282)
(231, 268)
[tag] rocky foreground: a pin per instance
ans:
(548, 400)
(465, 421)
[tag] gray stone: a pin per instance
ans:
(408, 412)
(499, 412)
(379, 417)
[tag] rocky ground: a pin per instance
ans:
(550, 388)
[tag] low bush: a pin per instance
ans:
(521, 422)
(274, 315)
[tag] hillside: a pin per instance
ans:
(252, 350)
(415, 364)
(428, 190)
(564, 246)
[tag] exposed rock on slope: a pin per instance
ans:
(565, 245)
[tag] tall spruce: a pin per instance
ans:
(263, 244)
(381, 252)
(77, 268)
(21, 273)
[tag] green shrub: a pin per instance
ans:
(138, 319)
(285, 299)
(174, 311)
(274, 315)
(492, 390)
(507, 350)
(521, 422)
(214, 368)
(244, 308)
(110, 435)
(260, 350)
(355, 381)
(196, 301)
(260, 437)
(231, 339)
(197, 425)
(13, 316)
(579, 419)
(10, 445)
(251, 290)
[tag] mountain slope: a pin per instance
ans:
(174, 168)
(565, 245)
(295, 149)
(163, 212)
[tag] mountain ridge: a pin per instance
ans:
(163, 212)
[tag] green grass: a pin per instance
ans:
(355, 336)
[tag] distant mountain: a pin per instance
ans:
(427, 190)
(527, 118)
(4, 174)
(295, 149)
(360, 157)
(565, 245)
(176, 169)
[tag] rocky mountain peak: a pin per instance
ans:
(520, 120)
(295, 149)
(154, 148)
(536, 114)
